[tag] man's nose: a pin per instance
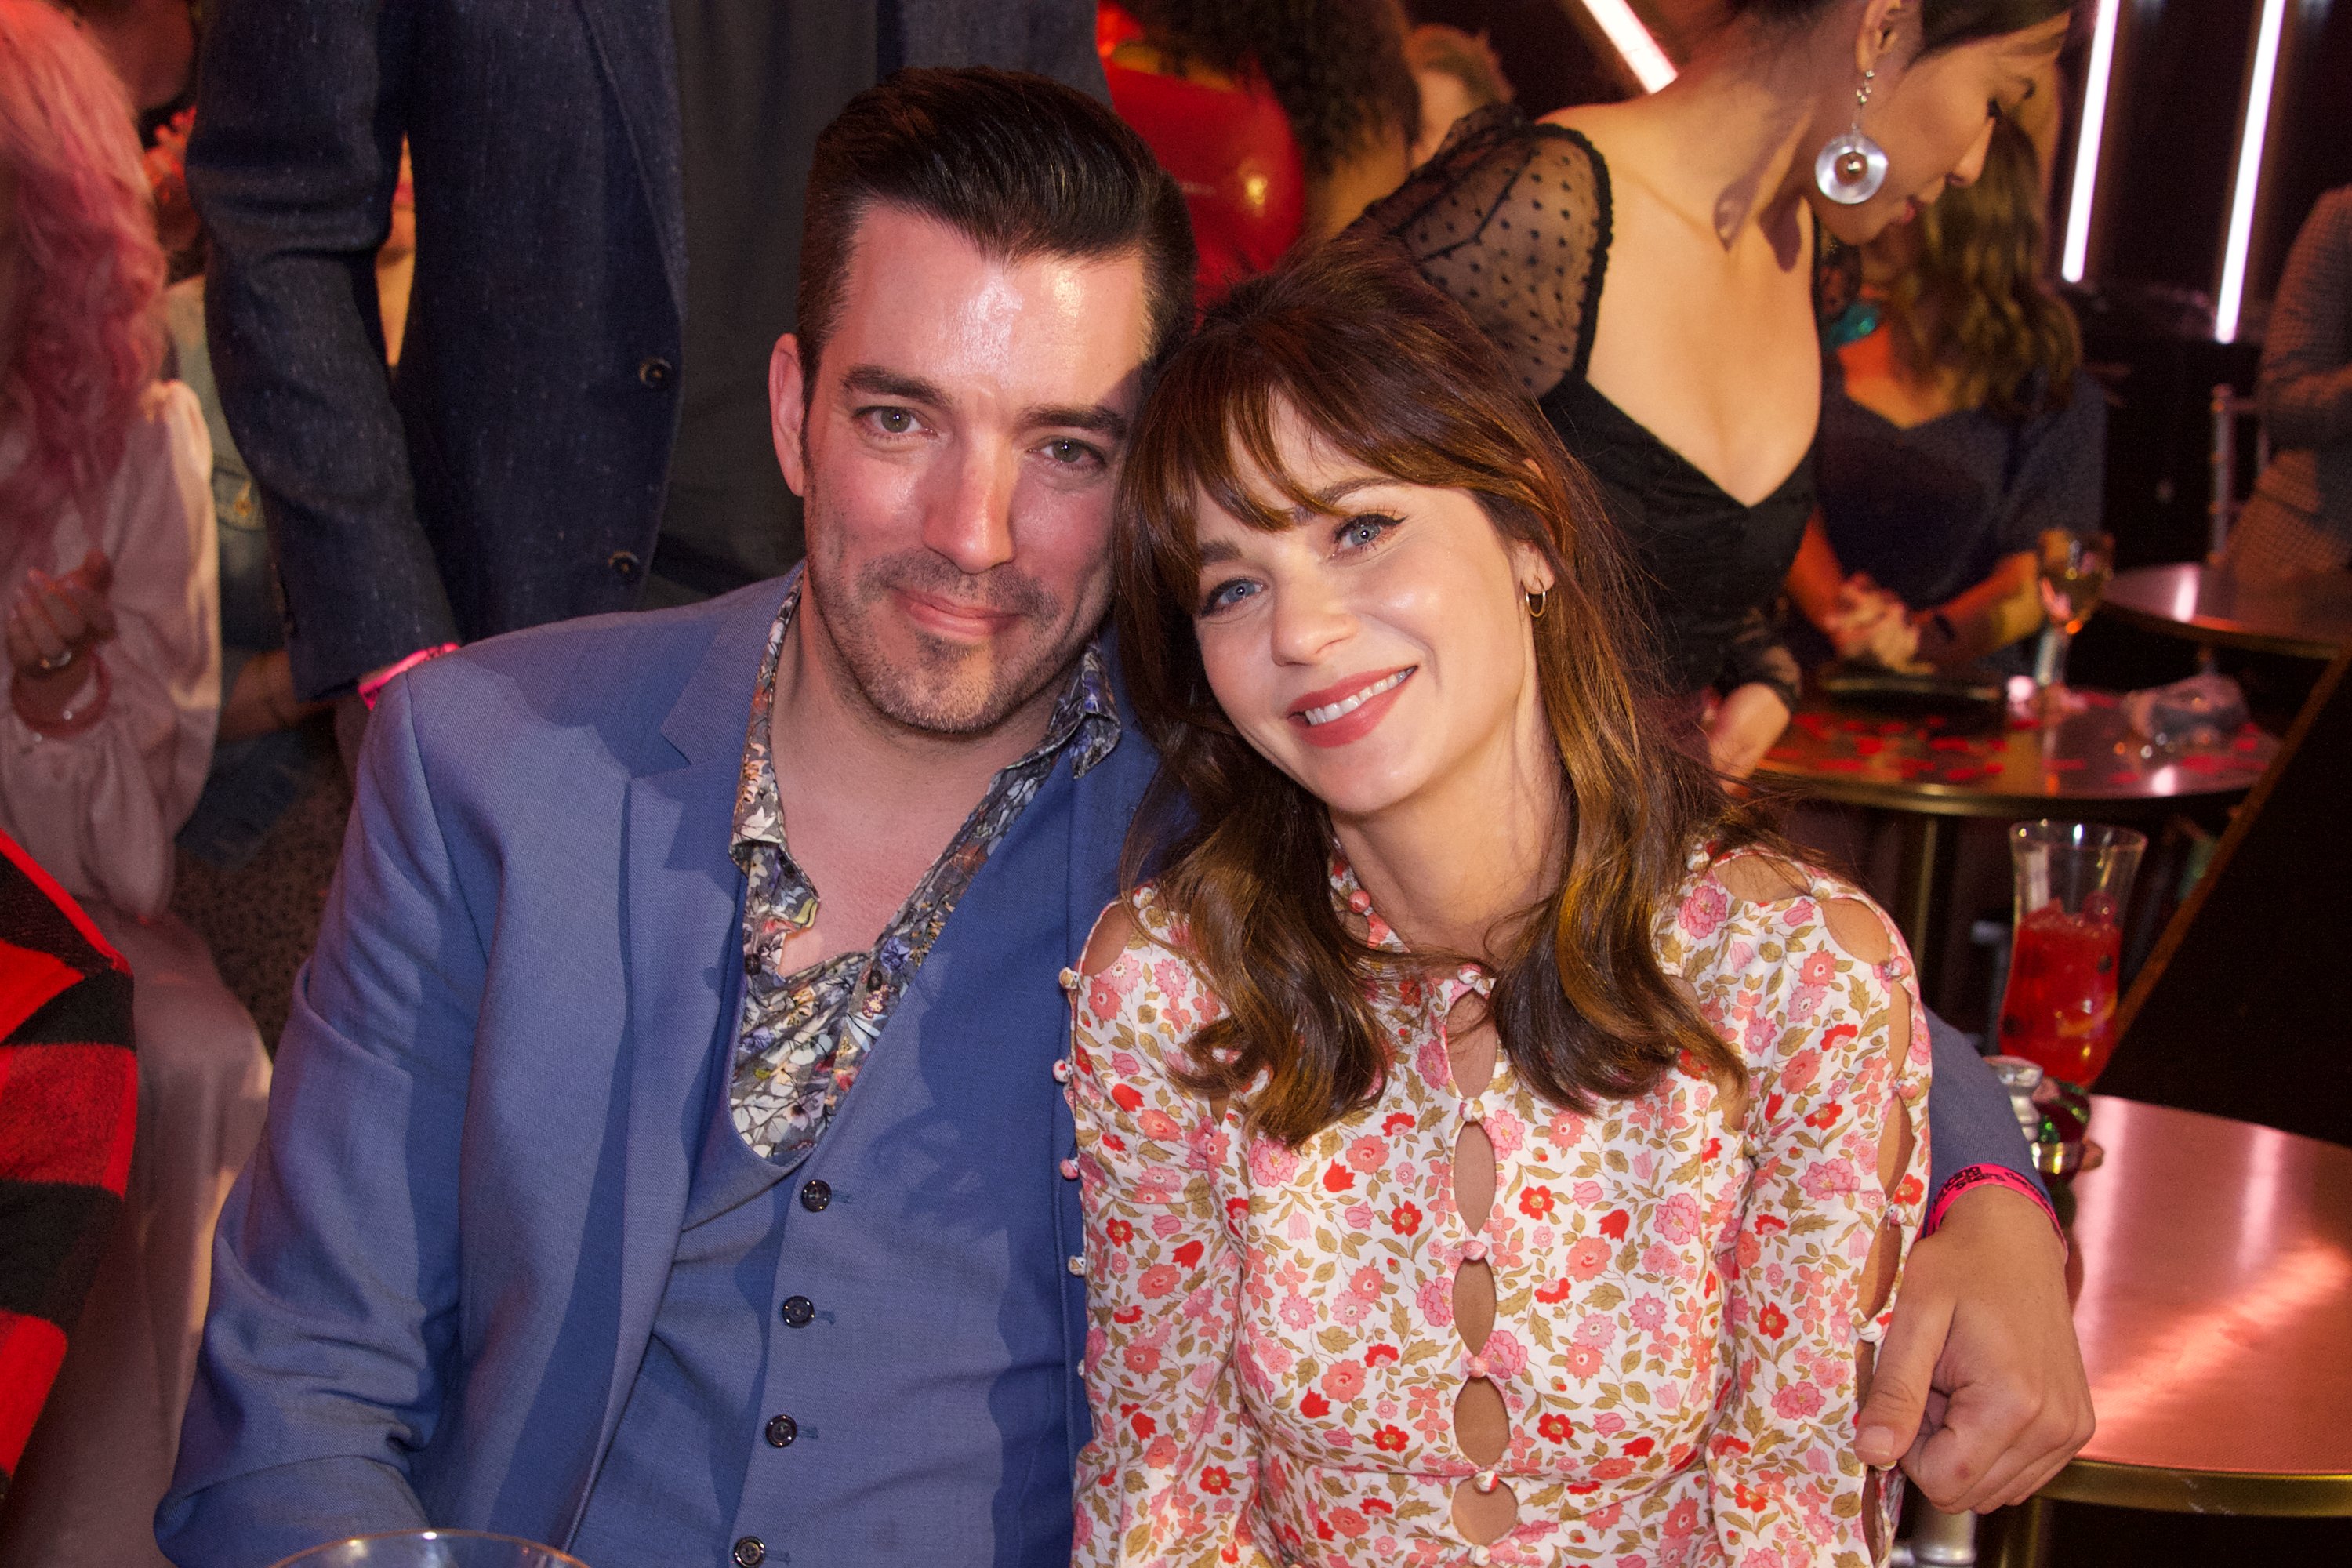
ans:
(969, 521)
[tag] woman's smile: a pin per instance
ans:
(1348, 710)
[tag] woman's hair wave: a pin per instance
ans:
(1393, 376)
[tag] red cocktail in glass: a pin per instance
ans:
(2058, 1010)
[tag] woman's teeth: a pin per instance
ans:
(1347, 705)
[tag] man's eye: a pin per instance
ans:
(1070, 453)
(893, 421)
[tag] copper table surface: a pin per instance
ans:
(2309, 619)
(2213, 1278)
(2088, 758)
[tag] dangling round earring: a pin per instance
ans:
(1537, 601)
(1852, 167)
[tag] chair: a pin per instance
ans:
(2221, 511)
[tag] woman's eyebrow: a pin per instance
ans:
(1218, 551)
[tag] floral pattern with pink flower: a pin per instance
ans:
(1677, 1287)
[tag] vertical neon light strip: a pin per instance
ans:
(1632, 42)
(2249, 172)
(2086, 144)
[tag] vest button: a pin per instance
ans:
(624, 564)
(654, 371)
(750, 1552)
(781, 1430)
(816, 1197)
(798, 1312)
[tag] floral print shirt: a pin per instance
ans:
(803, 1034)
(1270, 1356)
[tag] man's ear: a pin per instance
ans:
(788, 412)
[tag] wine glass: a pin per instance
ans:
(432, 1549)
(2074, 572)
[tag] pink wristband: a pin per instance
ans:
(1975, 1176)
(368, 688)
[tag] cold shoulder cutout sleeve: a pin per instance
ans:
(1510, 219)
(1170, 1476)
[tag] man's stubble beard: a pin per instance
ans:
(951, 691)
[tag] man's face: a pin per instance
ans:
(958, 457)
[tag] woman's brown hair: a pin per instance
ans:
(1977, 303)
(1393, 376)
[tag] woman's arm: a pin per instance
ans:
(1838, 1062)
(1997, 612)
(1171, 1471)
(96, 800)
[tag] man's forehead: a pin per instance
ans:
(921, 295)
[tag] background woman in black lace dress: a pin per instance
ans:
(1647, 268)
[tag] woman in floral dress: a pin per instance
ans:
(1494, 1149)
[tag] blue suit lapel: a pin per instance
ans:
(639, 53)
(681, 915)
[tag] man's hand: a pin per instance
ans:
(1743, 727)
(1979, 1388)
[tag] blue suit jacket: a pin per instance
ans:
(433, 1285)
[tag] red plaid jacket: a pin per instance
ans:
(68, 1107)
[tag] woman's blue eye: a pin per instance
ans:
(1225, 595)
(1359, 531)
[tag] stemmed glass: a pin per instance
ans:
(432, 1549)
(2074, 572)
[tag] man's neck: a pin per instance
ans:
(869, 805)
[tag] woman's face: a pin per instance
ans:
(1934, 118)
(1377, 654)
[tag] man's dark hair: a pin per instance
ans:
(1020, 164)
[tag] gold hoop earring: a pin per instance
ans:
(1537, 601)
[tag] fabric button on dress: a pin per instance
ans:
(781, 1430)
(816, 1197)
(1481, 1556)
(1069, 1170)
(654, 371)
(1077, 1266)
(1062, 1071)
(799, 1311)
(750, 1552)
(1485, 1480)
(1474, 1250)
(1472, 1111)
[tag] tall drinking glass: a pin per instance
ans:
(432, 1549)
(2059, 1009)
(2074, 572)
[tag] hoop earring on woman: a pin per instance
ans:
(1536, 602)
(1851, 167)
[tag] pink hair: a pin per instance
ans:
(89, 271)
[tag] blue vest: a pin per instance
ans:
(874, 1359)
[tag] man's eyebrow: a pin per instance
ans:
(876, 381)
(1100, 418)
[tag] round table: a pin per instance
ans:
(2087, 763)
(2311, 619)
(2211, 1271)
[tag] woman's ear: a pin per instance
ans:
(1882, 22)
(1529, 568)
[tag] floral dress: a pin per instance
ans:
(1272, 1358)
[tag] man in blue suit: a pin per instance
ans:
(647, 1181)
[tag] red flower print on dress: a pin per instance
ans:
(1348, 1522)
(1588, 1257)
(1555, 1427)
(1215, 1479)
(1338, 1178)
(1612, 1225)
(1771, 1322)
(1396, 1121)
(1535, 1203)
(1391, 1439)
(1820, 968)
(1120, 1232)
(1405, 1219)
(1795, 1401)
(1158, 1279)
(1368, 1154)
(1272, 1163)
(1582, 1360)
(1380, 1355)
(1313, 1406)
(1159, 1124)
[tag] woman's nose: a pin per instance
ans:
(1310, 620)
